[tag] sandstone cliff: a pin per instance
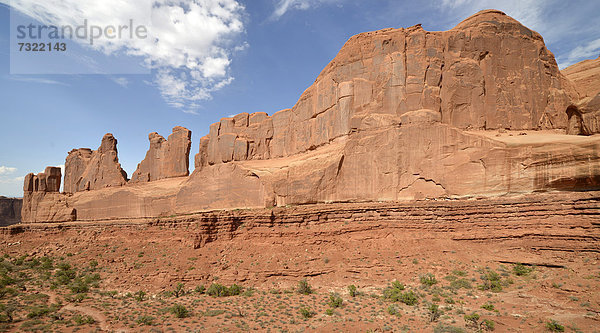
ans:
(398, 114)
(91, 170)
(584, 116)
(10, 210)
(165, 158)
(42, 200)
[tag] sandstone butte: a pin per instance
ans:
(481, 110)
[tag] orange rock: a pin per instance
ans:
(91, 170)
(398, 114)
(165, 158)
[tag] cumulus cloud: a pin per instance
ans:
(283, 6)
(4, 170)
(189, 44)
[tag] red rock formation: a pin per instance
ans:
(586, 77)
(91, 170)
(398, 114)
(42, 200)
(10, 210)
(165, 158)
(584, 115)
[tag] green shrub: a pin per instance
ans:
(200, 289)
(392, 310)
(434, 312)
(335, 301)
(145, 320)
(83, 320)
(306, 312)
(488, 325)
(139, 296)
(38, 311)
(472, 320)
(395, 293)
(79, 286)
(219, 290)
(6, 312)
(460, 283)
(428, 280)
(213, 313)
(554, 326)
(179, 311)
(179, 290)
(352, 290)
(491, 281)
(234, 290)
(521, 270)
(488, 306)
(443, 328)
(329, 312)
(304, 288)
(65, 274)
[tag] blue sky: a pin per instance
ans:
(221, 57)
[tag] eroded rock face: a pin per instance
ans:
(91, 170)
(586, 77)
(10, 210)
(584, 115)
(42, 201)
(489, 72)
(398, 114)
(165, 158)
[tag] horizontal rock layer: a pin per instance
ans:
(539, 228)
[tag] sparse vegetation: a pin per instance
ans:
(428, 280)
(554, 326)
(219, 290)
(179, 311)
(304, 288)
(306, 312)
(352, 291)
(335, 301)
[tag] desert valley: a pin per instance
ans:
(427, 181)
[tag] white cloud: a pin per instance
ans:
(189, 42)
(123, 82)
(11, 180)
(283, 6)
(4, 170)
(36, 80)
(590, 50)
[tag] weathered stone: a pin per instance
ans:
(76, 163)
(41, 198)
(10, 210)
(399, 114)
(91, 170)
(165, 158)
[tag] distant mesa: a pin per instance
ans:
(399, 114)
